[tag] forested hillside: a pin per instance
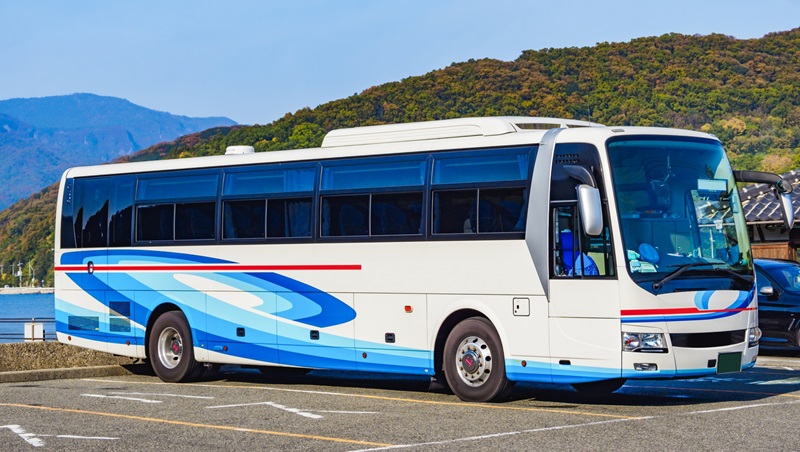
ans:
(747, 92)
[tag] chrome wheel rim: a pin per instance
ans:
(170, 348)
(474, 361)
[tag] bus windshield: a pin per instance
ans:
(680, 213)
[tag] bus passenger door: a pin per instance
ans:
(584, 302)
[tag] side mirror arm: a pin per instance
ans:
(782, 189)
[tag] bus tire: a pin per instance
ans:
(474, 364)
(170, 349)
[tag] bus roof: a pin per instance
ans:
(448, 128)
(429, 136)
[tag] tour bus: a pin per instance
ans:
(477, 251)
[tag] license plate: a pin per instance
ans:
(729, 362)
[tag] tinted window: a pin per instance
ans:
(121, 219)
(345, 216)
(269, 181)
(244, 219)
(485, 168)
(67, 225)
(396, 214)
(95, 212)
(175, 186)
(787, 276)
(289, 217)
(391, 173)
(155, 222)
(454, 211)
(481, 211)
(194, 221)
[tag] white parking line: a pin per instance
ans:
(562, 427)
(29, 438)
(35, 440)
(162, 395)
(498, 435)
(237, 405)
(135, 399)
(274, 405)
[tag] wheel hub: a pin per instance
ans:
(474, 361)
(471, 362)
(170, 348)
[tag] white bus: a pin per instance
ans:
(480, 251)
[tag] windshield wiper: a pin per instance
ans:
(745, 278)
(681, 268)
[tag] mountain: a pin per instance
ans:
(747, 92)
(41, 137)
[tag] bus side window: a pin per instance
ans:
(95, 212)
(120, 225)
(576, 254)
(345, 216)
(195, 221)
(454, 211)
(289, 217)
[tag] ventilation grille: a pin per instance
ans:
(705, 340)
(567, 159)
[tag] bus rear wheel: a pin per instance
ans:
(170, 349)
(474, 364)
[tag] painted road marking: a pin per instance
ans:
(569, 426)
(161, 394)
(785, 381)
(198, 425)
(29, 438)
(294, 410)
(501, 434)
(135, 399)
(306, 413)
(272, 404)
(469, 405)
(35, 440)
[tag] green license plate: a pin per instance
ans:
(729, 362)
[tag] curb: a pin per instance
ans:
(58, 374)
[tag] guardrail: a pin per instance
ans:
(39, 329)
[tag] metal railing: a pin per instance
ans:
(48, 328)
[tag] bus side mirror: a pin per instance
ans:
(781, 187)
(783, 191)
(591, 209)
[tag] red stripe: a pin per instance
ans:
(213, 267)
(674, 311)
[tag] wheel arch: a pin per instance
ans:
(444, 330)
(157, 312)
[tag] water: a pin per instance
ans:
(26, 307)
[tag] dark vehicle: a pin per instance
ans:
(778, 303)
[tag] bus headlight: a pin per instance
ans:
(753, 336)
(644, 342)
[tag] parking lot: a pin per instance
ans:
(242, 409)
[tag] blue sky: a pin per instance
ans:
(254, 61)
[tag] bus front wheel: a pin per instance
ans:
(170, 348)
(474, 364)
